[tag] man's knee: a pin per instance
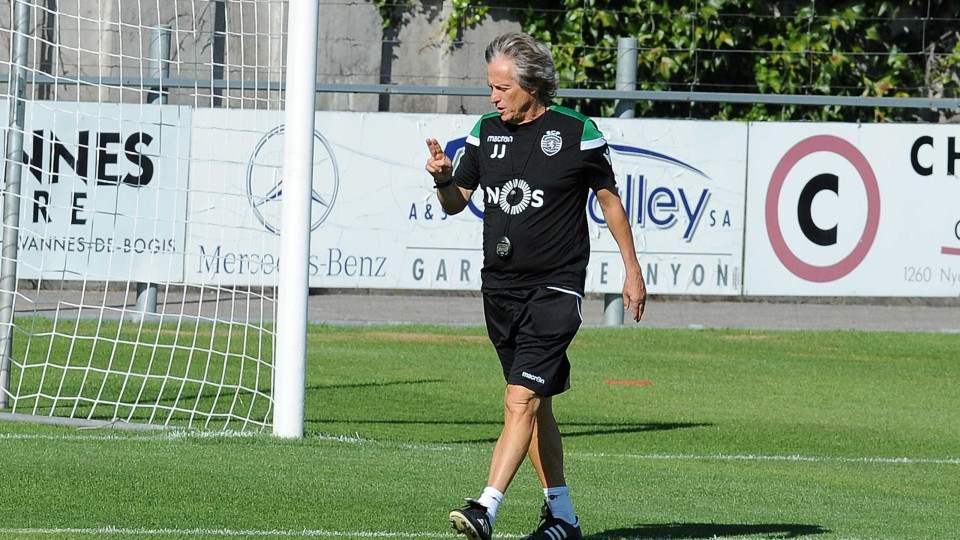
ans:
(520, 400)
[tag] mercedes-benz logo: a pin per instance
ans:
(265, 180)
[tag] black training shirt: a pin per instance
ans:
(535, 179)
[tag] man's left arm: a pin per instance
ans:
(634, 288)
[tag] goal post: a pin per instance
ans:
(295, 229)
(153, 177)
(20, 23)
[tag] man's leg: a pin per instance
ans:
(546, 447)
(520, 406)
(519, 416)
(476, 520)
(546, 455)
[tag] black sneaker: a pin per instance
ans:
(552, 528)
(472, 521)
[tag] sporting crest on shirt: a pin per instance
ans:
(551, 142)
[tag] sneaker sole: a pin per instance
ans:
(463, 526)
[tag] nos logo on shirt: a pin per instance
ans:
(514, 197)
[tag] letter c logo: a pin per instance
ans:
(822, 182)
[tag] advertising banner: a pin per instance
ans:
(377, 222)
(853, 210)
(682, 184)
(103, 191)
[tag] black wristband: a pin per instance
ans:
(442, 185)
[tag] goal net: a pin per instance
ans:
(142, 166)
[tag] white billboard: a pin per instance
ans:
(831, 209)
(377, 222)
(683, 185)
(853, 210)
(103, 191)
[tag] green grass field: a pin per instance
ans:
(720, 434)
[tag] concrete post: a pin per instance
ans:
(626, 80)
(159, 61)
(159, 69)
(626, 75)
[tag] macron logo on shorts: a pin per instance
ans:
(534, 378)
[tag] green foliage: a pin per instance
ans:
(903, 48)
(391, 11)
(464, 15)
(841, 48)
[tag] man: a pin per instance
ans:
(534, 164)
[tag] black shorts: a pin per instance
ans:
(531, 330)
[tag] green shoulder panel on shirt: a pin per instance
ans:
(590, 130)
(476, 127)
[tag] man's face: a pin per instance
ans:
(515, 104)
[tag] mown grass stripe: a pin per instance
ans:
(101, 531)
(174, 436)
(797, 458)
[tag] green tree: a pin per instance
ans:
(904, 48)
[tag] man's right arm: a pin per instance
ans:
(452, 197)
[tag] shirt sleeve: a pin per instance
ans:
(466, 172)
(596, 155)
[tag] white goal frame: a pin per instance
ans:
(254, 376)
(295, 229)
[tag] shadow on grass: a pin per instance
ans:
(710, 530)
(369, 384)
(590, 429)
(569, 429)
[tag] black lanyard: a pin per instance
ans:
(504, 247)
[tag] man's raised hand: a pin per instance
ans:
(438, 164)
